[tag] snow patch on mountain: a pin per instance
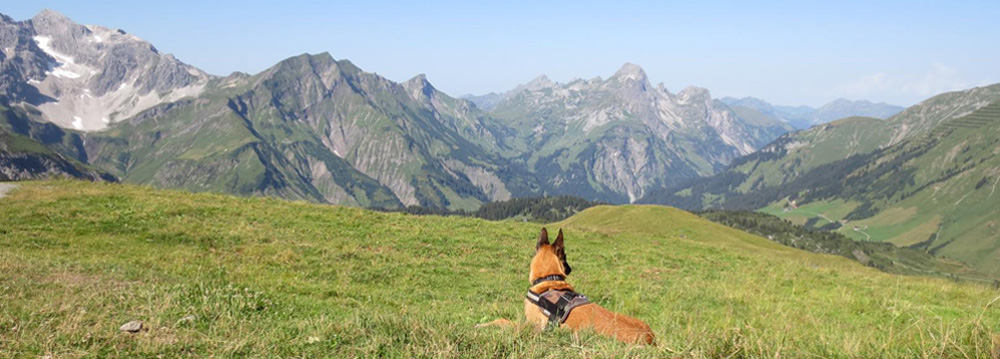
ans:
(43, 43)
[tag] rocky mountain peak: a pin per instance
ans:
(417, 82)
(630, 71)
(751, 102)
(540, 82)
(323, 58)
(419, 88)
(50, 16)
(308, 62)
(844, 102)
(694, 93)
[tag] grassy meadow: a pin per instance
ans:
(229, 277)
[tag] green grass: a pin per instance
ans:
(271, 278)
(824, 211)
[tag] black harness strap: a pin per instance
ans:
(559, 310)
(553, 277)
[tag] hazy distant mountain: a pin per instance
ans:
(801, 111)
(485, 102)
(751, 107)
(804, 116)
(841, 108)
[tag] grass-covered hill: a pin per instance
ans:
(213, 275)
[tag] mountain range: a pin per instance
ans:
(626, 135)
(316, 128)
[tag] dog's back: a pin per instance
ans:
(606, 322)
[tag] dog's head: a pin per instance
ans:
(550, 259)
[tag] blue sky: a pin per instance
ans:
(785, 52)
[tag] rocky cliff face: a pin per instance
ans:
(614, 139)
(86, 77)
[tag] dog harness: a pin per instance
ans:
(556, 303)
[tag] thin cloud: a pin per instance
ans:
(940, 78)
(881, 85)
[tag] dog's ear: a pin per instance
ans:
(560, 248)
(543, 238)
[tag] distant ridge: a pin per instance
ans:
(803, 117)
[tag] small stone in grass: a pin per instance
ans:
(132, 327)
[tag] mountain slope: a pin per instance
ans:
(319, 129)
(22, 158)
(615, 139)
(932, 191)
(798, 154)
(205, 272)
(30, 150)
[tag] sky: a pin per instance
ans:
(789, 53)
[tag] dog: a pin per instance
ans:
(551, 301)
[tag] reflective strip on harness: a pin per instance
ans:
(557, 304)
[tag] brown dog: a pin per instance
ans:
(552, 301)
